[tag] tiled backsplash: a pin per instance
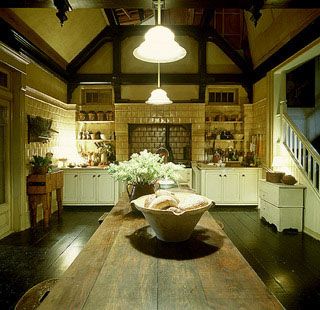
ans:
(178, 114)
(152, 137)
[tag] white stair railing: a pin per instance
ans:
(302, 151)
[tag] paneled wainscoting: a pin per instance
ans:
(288, 263)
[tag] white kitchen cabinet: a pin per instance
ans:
(221, 186)
(249, 186)
(185, 177)
(105, 188)
(281, 205)
(70, 188)
(231, 186)
(88, 187)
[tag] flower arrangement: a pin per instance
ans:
(144, 168)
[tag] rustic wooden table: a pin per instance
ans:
(124, 266)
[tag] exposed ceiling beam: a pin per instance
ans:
(112, 17)
(216, 38)
(22, 45)
(148, 4)
(206, 18)
(141, 15)
(298, 42)
(21, 27)
(105, 35)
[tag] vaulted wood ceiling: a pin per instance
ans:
(33, 28)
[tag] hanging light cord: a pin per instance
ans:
(158, 74)
(159, 13)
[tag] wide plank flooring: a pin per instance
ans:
(288, 263)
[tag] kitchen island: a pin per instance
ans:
(124, 266)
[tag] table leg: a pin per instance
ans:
(59, 201)
(33, 204)
(46, 209)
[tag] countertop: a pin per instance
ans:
(203, 166)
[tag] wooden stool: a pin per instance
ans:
(35, 296)
(39, 190)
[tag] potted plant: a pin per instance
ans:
(142, 171)
(40, 165)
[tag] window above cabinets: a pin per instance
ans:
(222, 96)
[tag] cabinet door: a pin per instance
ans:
(231, 188)
(87, 188)
(105, 189)
(249, 187)
(213, 186)
(70, 188)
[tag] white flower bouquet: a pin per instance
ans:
(144, 168)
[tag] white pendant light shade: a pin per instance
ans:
(158, 96)
(159, 47)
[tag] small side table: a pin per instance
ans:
(39, 190)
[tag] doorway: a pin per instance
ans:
(5, 207)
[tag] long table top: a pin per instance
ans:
(124, 266)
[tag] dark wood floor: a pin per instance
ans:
(288, 263)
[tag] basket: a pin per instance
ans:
(274, 176)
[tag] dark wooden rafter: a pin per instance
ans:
(216, 38)
(206, 18)
(147, 4)
(302, 39)
(112, 17)
(22, 45)
(141, 15)
(24, 30)
(117, 68)
(105, 35)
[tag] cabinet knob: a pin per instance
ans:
(220, 175)
(98, 175)
(243, 175)
(75, 175)
(94, 176)
(225, 175)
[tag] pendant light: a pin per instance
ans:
(158, 96)
(159, 45)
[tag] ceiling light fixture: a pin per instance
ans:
(158, 96)
(159, 45)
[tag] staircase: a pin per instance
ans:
(306, 162)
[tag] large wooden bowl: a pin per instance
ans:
(168, 225)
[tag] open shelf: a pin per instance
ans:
(95, 122)
(94, 140)
(224, 122)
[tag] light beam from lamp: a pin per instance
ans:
(159, 45)
(158, 96)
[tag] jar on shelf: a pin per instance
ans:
(82, 116)
(101, 116)
(109, 115)
(92, 116)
